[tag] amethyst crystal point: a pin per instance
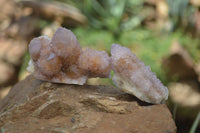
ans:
(132, 76)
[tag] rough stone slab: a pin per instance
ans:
(37, 106)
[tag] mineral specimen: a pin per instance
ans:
(132, 76)
(62, 60)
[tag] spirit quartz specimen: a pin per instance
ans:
(132, 76)
(62, 60)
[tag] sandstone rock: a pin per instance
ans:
(11, 56)
(7, 9)
(7, 73)
(186, 96)
(156, 15)
(161, 7)
(36, 106)
(4, 91)
(24, 28)
(195, 2)
(12, 51)
(179, 64)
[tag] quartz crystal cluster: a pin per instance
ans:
(62, 60)
(131, 75)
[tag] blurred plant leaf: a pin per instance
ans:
(180, 13)
(109, 14)
(131, 23)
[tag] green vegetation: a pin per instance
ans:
(195, 124)
(26, 59)
(180, 13)
(113, 16)
(189, 43)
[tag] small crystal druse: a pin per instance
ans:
(62, 60)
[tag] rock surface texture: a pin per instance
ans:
(36, 106)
